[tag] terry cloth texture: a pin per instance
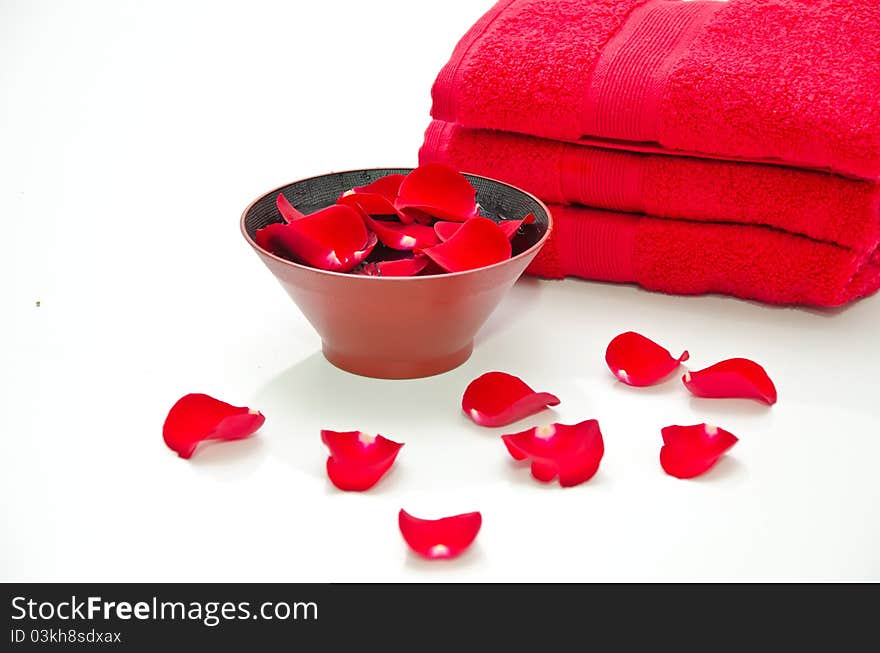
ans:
(688, 258)
(822, 206)
(790, 81)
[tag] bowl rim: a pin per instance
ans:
(347, 275)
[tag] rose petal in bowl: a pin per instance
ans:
(414, 215)
(498, 399)
(378, 199)
(369, 203)
(197, 417)
(478, 243)
(439, 539)
(387, 186)
(357, 460)
(334, 239)
(405, 267)
(639, 361)
(288, 212)
(511, 227)
(571, 451)
(689, 451)
(733, 378)
(402, 236)
(431, 269)
(446, 230)
(438, 190)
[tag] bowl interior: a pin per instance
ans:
(497, 201)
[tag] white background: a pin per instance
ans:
(131, 137)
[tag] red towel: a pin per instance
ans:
(689, 258)
(792, 81)
(822, 206)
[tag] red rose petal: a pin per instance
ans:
(417, 216)
(431, 269)
(402, 236)
(414, 216)
(688, 451)
(510, 227)
(387, 186)
(735, 378)
(438, 190)
(440, 539)
(446, 230)
(478, 243)
(369, 203)
(544, 471)
(287, 210)
(378, 198)
(405, 267)
(571, 451)
(334, 238)
(197, 417)
(498, 399)
(639, 361)
(357, 461)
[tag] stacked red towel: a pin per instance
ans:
(743, 136)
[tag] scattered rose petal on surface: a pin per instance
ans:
(197, 417)
(571, 451)
(334, 239)
(478, 243)
(688, 451)
(402, 236)
(438, 190)
(405, 267)
(639, 361)
(286, 209)
(733, 378)
(357, 460)
(511, 227)
(498, 399)
(445, 230)
(440, 539)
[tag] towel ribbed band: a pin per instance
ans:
(606, 178)
(436, 145)
(629, 79)
(597, 244)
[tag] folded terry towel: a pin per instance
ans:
(792, 81)
(689, 258)
(819, 205)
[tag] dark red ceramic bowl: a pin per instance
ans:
(398, 327)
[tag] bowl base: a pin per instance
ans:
(383, 368)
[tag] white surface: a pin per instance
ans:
(133, 134)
